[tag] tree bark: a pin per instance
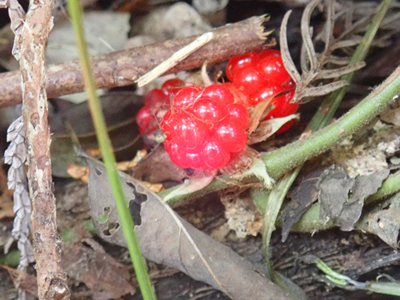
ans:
(122, 68)
(31, 41)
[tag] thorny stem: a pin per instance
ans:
(280, 161)
(329, 106)
(139, 265)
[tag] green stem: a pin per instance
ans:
(281, 161)
(139, 265)
(329, 106)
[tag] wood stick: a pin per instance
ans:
(122, 68)
(52, 281)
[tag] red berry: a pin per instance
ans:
(231, 136)
(194, 160)
(238, 114)
(283, 106)
(248, 80)
(155, 97)
(187, 131)
(172, 84)
(186, 96)
(176, 153)
(238, 96)
(214, 155)
(165, 124)
(272, 69)
(144, 118)
(207, 110)
(265, 93)
(218, 93)
(239, 62)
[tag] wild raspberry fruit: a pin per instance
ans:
(155, 97)
(157, 102)
(248, 80)
(186, 97)
(207, 110)
(214, 155)
(238, 62)
(171, 87)
(263, 77)
(187, 131)
(231, 135)
(204, 127)
(173, 83)
(145, 119)
(219, 93)
(272, 69)
(238, 114)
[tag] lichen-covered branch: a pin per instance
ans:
(123, 67)
(31, 42)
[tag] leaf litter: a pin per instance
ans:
(167, 239)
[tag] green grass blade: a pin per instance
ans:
(139, 265)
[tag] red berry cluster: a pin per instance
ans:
(261, 76)
(156, 101)
(204, 127)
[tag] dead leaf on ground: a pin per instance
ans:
(86, 261)
(166, 238)
(342, 198)
(165, 170)
(22, 279)
(383, 221)
(243, 216)
(305, 194)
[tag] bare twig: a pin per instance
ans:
(124, 67)
(31, 43)
(175, 59)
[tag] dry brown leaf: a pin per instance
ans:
(86, 261)
(168, 239)
(23, 280)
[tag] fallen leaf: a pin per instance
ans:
(383, 221)
(166, 238)
(127, 165)
(22, 279)
(78, 172)
(392, 114)
(88, 262)
(305, 194)
(166, 169)
(342, 198)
